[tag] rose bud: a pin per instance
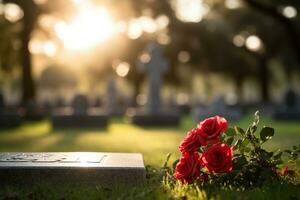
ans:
(211, 129)
(188, 168)
(218, 158)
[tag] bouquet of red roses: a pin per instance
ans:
(214, 153)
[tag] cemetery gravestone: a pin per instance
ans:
(8, 118)
(112, 107)
(290, 109)
(79, 116)
(105, 169)
(31, 111)
(218, 107)
(155, 69)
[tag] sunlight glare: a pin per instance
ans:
(91, 27)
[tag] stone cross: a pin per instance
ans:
(154, 69)
(80, 105)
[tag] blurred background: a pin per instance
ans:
(246, 50)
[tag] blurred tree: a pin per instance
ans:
(272, 9)
(57, 77)
(31, 12)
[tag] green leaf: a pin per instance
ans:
(266, 133)
(239, 130)
(230, 132)
(245, 142)
(229, 140)
(237, 144)
(239, 162)
(167, 160)
(175, 163)
(265, 154)
(278, 156)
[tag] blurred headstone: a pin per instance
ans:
(80, 105)
(98, 102)
(290, 108)
(113, 107)
(154, 68)
(59, 102)
(79, 115)
(104, 169)
(47, 107)
(31, 111)
(218, 107)
(8, 118)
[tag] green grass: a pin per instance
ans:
(153, 143)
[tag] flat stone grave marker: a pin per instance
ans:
(79, 116)
(154, 69)
(105, 169)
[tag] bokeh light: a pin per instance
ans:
(190, 10)
(122, 69)
(253, 43)
(289, 12)
(238, 40)
(13, 12)
(184, 56)
(232, 4)
(148, 24)
(162, 22)
(145, 57)
(163, 39)
(134, 29)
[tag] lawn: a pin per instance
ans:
(121, 136)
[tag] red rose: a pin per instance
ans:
(191, 142)
(218, 158)
(188, 168)
(211, 129)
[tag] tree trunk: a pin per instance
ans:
(27, 79)
(238, 79)
(264, 79)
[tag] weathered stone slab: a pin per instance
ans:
(105, 169)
